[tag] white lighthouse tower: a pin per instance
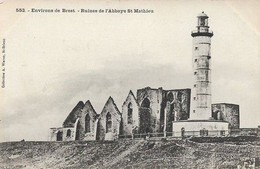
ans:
(201, 57)
(201, 122)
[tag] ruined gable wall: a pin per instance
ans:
(73, 115)
(116, 120)
(88, 109)
(128, 128)
(70, 123)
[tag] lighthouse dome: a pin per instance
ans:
(202, 15)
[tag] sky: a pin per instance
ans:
(55, 60)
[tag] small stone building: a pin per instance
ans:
(56, 134)
(109, 121)
(226, 112)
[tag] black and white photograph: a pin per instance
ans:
(120, 84)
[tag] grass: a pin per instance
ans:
(193, 153)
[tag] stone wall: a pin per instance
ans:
(56, 134)
(130, 115)
(73, 115)
(146, 125)
(69, 134)
(227, 112)
(177, 106)
(169, 116)
(154, 97)
(88, 121)
(165, 106)
(245, 132)
(200, 128)
(109, 123)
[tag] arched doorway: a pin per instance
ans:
(59, 136)
(146, 122)
(182, 132)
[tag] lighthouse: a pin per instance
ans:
(201, 63)
(201, 122)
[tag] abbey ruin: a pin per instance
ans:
(159, 112)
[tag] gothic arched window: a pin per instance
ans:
(108, 123)
(146, 103)
(130, 113)
(68, 133)
(170, 97)
(87, 124)
(179, 96)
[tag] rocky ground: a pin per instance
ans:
(188, 153)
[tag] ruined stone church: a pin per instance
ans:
(152, 111)
(158, 112)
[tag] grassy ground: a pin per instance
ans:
(126, 154)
